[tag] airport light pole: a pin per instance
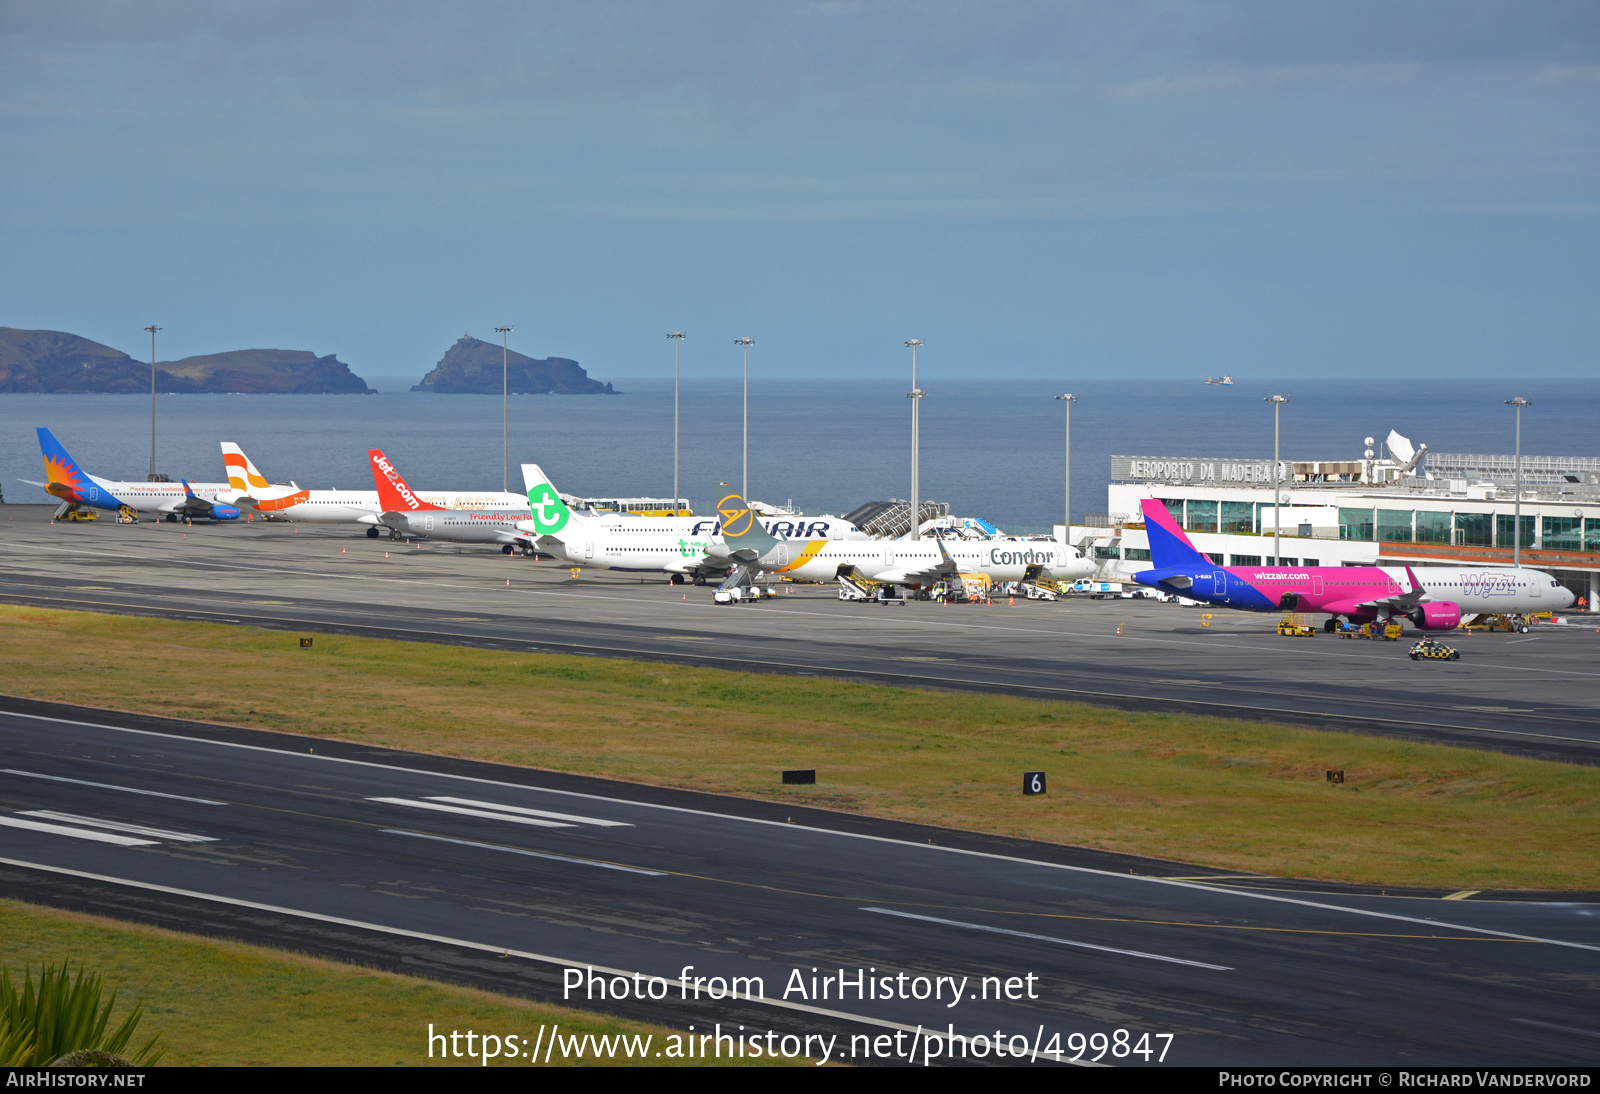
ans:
(505, 416)
(152, 328)
(677, 337)
(1516, 521)
(746, 343)
(1069, 399)
(1277, 402)
(916, 440)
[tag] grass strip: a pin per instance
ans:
(1239, 795)
(230, 1004)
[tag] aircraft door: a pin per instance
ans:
(1533, 587)
(588, 549)
(1316, 585)
(783, 556)
(888, 556)
(427, 523)
(1219, 584)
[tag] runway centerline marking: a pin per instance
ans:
(526, 955)
(485, 813)
(107, 786)
(79, 833)
(117, 826)
(1049, 938)
(522, 809)
(531, 854)
(934, 848)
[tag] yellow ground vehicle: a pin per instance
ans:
(81, 514)
(1389, 631)
(1429, 650)
(1491, 623)
(1295, 625)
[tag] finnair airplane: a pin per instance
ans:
(78, 489)
(287, 501)
(615, 544)
(891, 561)
(1433, 601)
(826, 526)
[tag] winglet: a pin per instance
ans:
(394, 496)
(1169, 547)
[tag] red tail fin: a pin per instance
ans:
(393, 493)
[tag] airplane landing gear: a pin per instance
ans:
(372, 533)
(505, 548)
(675, 579)
(1331, 625)
(699, 579)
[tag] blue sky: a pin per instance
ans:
(1093, 190)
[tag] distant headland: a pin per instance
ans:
(474, 367)
(52, 361)
(56, 362)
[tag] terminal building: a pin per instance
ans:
(1405, 507)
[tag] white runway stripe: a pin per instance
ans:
(530, 854)
(438, 807)
(108, 786)
(525, 811)
(80, 833)
(1048, 938)
(117, 826)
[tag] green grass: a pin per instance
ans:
(1233, 794)
(230, 1004)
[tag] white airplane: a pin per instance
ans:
(627, 544)
(408, 514)
(826, 526)
(249, 489)
(892, 561)
(78, 489)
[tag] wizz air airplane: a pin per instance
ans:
(891, 561)
(1435, 601)
(78, 489)
(250, 489)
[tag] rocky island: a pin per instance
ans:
(473, 367)
(50, 361)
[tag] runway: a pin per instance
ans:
(504, 878)
(1528, 694)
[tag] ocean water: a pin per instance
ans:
(992, 449)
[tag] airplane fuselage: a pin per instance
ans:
(1358, 592)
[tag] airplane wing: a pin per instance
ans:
(1403, 603)
(921, 574)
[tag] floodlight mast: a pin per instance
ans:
(746, 343)
(677, 337)
(1277, 402)
(1516, 520)
(1069, 399)
(915, 396)
(505, 418)
(152, 328)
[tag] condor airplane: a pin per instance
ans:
(251, 490)
(891, 561)
(1435, 601)
(78, 489)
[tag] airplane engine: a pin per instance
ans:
(1437, 617)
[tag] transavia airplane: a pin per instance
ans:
(250, 489)
(78, 489)
(407, 513)
(615, 544)
(1433, 601)
(891, 561)
(826, 526)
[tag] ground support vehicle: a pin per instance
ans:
(1491, 623)
(1429, 650)
(1295, 625)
